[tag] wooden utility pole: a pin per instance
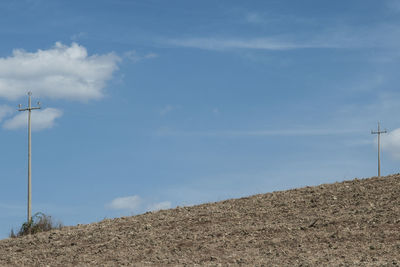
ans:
(29, 109)
(379, 132)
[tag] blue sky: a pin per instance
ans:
(155, 104)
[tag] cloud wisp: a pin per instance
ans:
(129, 203)
(61, 72)
(167, 109)
(335, 37)
(41, 119)
(136, 204)
(254, 18)
(159, 206)
(391, 143)
(5, 111)
(237, 43)
(136, 57)
(255, 133)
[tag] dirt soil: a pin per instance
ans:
(353, 223)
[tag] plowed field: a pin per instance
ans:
(350, 223)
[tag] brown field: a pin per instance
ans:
(353, 223)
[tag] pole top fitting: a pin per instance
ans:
(29, 93)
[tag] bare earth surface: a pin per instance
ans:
(351, 223)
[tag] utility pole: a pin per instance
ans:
(29, 109)
(379, 132)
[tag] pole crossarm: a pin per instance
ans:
(25, 109)
(379, 132)
(29, 109)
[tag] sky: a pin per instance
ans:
(149, 105)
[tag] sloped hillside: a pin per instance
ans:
(352, 223)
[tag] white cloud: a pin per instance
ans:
(136, 204)
(61, 72)
(130, 203)
(5, 111)
(41, 119)
(391, 143)
(135, 57)
(159, 206)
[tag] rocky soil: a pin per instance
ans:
(353, 223)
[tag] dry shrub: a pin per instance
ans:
(40, 222)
